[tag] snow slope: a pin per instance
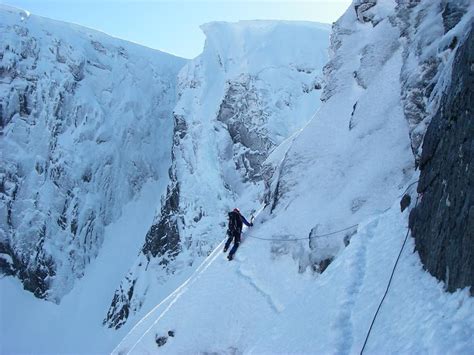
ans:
(349, 165)
(259, 304)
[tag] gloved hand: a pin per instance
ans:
(251, 224)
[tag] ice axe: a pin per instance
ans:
(252, 216)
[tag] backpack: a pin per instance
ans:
(234, 225)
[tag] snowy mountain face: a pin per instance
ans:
(86, 121)
(332, 225)
(95, 130)
(255, 84)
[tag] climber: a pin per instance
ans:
(234, 230)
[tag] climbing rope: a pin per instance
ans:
(309, 237)
(390, 280)
(322, 235)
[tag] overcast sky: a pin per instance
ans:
(173, 26)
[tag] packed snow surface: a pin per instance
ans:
(258, 303)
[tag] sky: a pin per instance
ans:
(173, 26)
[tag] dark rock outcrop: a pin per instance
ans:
(162, 238)
(443, 222)
(361, 8)
(160, 340)
(120, 307)
(405, 202)
(453, 11)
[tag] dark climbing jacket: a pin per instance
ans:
(235, 223)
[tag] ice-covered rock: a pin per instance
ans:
(429, 44)
(85, 120)
(403, 62)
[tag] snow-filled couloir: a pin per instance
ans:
(255, 84)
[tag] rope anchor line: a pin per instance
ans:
(388, 284)
(320, 235)
(309, 237)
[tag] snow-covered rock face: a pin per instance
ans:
(86, 120)
(355, 154)
(429, 32)
(391, 61)
(255, 84)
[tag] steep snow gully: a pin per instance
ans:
(356, 167)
